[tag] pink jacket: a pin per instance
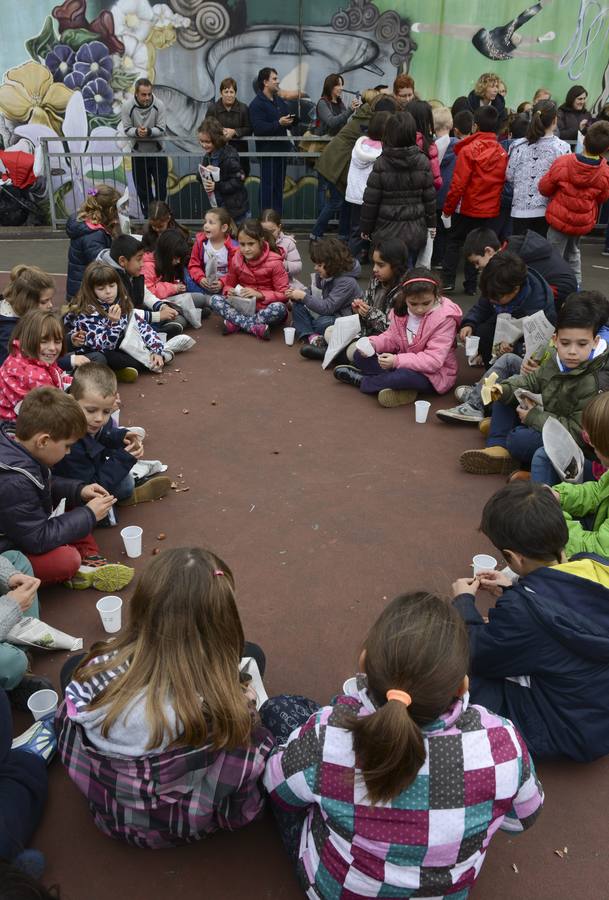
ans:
(155, 284)
(433, 160)
(21, 374)
(266, 274)
(432, 353)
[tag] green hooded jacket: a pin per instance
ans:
(579, 500)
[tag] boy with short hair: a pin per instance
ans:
(106, 454)
(475, 191)
(542, 658)
(566, 381)
(58, 544)
(577, 183)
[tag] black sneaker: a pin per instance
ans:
(313, 351)
(172, 329)
(28, 685)
(348, 375)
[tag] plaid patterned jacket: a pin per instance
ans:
(429, 841)
(175, 797)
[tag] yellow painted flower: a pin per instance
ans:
(29, 94)
(161, 38)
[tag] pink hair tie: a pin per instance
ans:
(419, 280)
(218, 572)
(92, 192)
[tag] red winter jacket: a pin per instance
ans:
(266, 274)
(196, 266)
(577, 189)
(478, 178)
(20, 374)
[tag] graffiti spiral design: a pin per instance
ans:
(355, 18)
(186, 7)
(212, 21)
(388, 27)
(340, 21)
(370, 16)
(190, 38)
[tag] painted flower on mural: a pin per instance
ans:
(60, 61)
(29, 94)
(97, 95)
(164, 16)
(133, 18)
(93, 60)
(135, 59)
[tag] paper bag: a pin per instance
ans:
(344, 331)
(30, 632)
(537, 333)
(249, 666)
(185, 304)
(244, 305)
(133, 343)
(565, 454)
(205, 176)
(122, 206)
(507, 331)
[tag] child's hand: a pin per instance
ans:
(528, 366)
(23, 594)
(466, 332)
(101, 505)
(78, 338)
(361, 308)
(494, 582)
(465, 586)
(79, 360)
(180, 288)
(523, 413)
(90, 491)
(115, 312)
(209, 185)
(431, 232)
(250, 692)
(249, 293)
(554, 493)
(156, 362)
(295, 294)
(387, 360)
(133, 445)
(168, 313)
(504, 348)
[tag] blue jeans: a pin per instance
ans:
(506, 431)
(13, 661)
(305, 324)
(125, 488)
(376, 379)
(335, 205)
(544, 472)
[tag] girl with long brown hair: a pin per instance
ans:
(28, 288)
(90, 231)
(397, 787)
(157, 729)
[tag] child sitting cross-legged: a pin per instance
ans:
(157, 729)
(566, 380)
(106, 454)
(542, 658)
(58, 544)
(396, 788)
(417, 352)
(166, 274)
(214, 244)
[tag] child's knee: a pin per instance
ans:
(13, 666)
(19, 561)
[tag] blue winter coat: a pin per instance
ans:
(447, 167)
(85, 244)
(264, 116)
(29, 494)
(99, 458)
(546, 649)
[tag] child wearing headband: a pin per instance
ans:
(396, 787)
(416, 352)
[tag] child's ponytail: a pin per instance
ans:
(542, 115)
(99, 207)
(416, 658)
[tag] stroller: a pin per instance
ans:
(20, 190)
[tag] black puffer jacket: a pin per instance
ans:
(230, 191)
(400, 199)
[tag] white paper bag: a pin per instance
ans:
(186, 305)
(244, 305)
(344, 331)
(249, 666)
(133, 343)
(205, 175)
(507, 331)
(122, 206)
(565, 454)
(537, 332)
(30, 632)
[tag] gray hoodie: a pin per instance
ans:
(10, 611)
(134, 116)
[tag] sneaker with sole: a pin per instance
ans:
(348, 375)
(312, 351)
(229, 327)
(490, 461)
(127, 375)
(107, 577)
(462, 413)
(462, 392)
(179, 343)
(152, 489)
(39, 739)
(28, 685)
(390, 398)
(262, 332)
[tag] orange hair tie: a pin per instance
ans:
(400, 696)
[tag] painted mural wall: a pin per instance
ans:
(68, 68)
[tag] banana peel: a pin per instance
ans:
(490, 389)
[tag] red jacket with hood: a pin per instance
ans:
(196, 266)
(478, 178)
(266, 274)
(577, 188)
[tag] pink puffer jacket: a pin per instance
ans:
(434, 162)
(20, 374)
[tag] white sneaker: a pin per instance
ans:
(137, 429)
(179, 343)
(462, 392)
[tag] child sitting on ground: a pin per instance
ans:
(271, 222)
(215, 242)
(166, 274)
(389, 267)
(336, 287)
(416, 353)
(136, 709)
(160, 219)
(106, 454)
(565, 381)
(90, 230)
(58, 544)
(102, 310)
(397, 787)
(28, 288)
(507, 286)
(541, 659)
(229, 190)
(36, 346)
(256, 272)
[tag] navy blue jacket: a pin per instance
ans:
(99, 458)
(7, 325)
(29, 494)
(536, 251)
(264, 116)
(552, 629)
(534, 295)
(447, 167)
(85, 244)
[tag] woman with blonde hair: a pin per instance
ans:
(488, 92)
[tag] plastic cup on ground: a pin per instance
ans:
(42, 703)
(110, 611)
(421, 411)
(472, 343)
(132, 539)
(482, 562)
(289, 334)
(365, 347)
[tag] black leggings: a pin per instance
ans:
(118, 359)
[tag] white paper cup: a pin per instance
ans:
(350, 686)
(132, 539)
(289, 334)
(42, 704)
(421, 410)
(471, 345)
(365, 347)
(214, 172)
(110, 610)
(483, 563)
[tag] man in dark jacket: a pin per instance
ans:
(482, 244)
(542, 659)
(270, 117)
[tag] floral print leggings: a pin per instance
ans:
(270, 315)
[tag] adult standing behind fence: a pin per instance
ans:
(234, 117)
(270, 117)
(143, 120)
